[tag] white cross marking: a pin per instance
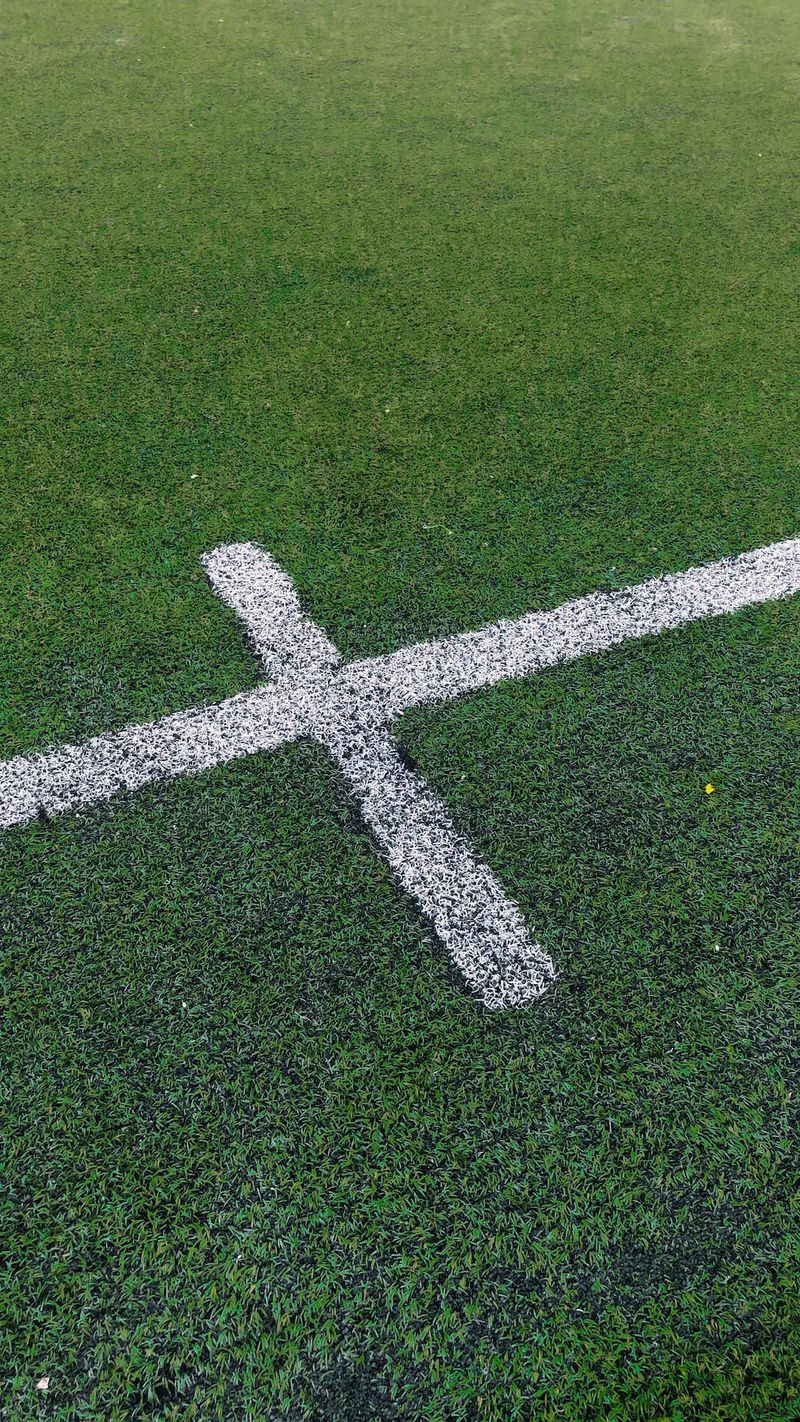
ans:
(349, 708)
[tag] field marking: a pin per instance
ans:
(482, 929)
(349, 707)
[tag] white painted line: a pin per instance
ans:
(439, 671)
(378, 690)
(481, 928)
(72, 777)
(291, 647)
(348, 707)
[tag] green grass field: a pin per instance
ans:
(462, 310)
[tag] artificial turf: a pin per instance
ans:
(461, 309)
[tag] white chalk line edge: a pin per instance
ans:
(350, 707)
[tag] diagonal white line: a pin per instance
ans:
(482, 928)
(72, 777)
(378, 690)
(427, 672)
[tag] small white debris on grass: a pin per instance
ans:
(43, 1384)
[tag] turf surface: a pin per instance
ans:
(461, 310)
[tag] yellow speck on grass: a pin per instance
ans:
(710, 789)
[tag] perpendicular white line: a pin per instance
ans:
(481, 928)
(291, 647)
(377, 690)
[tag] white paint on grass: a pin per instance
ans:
(480, 926)
(291, 647)
(349, 708)
(482, 929)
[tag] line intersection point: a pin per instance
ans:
(349, 708)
